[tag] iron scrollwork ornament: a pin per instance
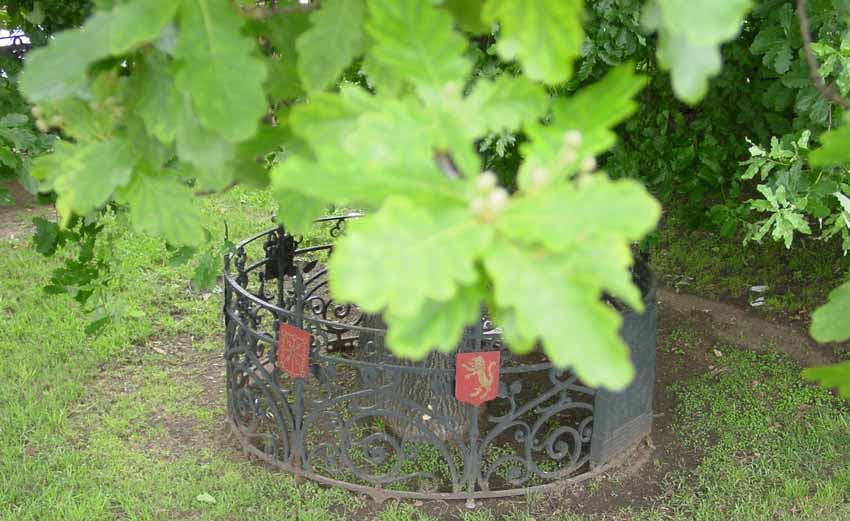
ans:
(313, 390)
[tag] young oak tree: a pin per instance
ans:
(159, 100)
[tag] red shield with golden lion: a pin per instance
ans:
(293, 351)
(477, 377)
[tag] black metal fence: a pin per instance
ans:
(359, 418)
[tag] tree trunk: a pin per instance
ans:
(432, 391)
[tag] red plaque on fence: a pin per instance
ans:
(477, 376)
(293, 351)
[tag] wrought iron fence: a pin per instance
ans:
(313, 390)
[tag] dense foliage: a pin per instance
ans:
(401, 107)
(29, 24)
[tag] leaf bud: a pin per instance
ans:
(37, 111)
(486, 181)
(42, 125)
(498, 199)
(477, 206)
(588, 164)
(451, 89)
(567, 156)
(572, 138)
(539, 176)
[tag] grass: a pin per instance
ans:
(85, 430)
(776, 445)
(124, 426)
(710, 265)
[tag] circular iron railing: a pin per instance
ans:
(312, 390)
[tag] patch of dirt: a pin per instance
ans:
(16, 219)
(729, 324)
(183, 363)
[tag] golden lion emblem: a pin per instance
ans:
(485, 373)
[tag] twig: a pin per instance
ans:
(447, 165)
(258, 13)
(204, 193)
(826, 90)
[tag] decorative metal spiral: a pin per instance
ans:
(340, 425)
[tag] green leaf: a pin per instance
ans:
(448, 125)
(13, 120)
(559, 217)
(283, 31)
(250, 164)
(296, 209)
(20, 137)
(690, 34)
(831, 322)
(206, 272)
(593, 112)
(282, 82)
(416, 42)
(328, 118)
(545, 36)
(333, 41)
(8, 158)
(604, 217)
(366, 155)
(467, 15)
(162, 206)
(506, 103)
(59, 70)
(690, 66)
(403, 256)
(206, 150)
(438, 324)
(219, 69)
(182, 255)
(509, 324)
(46, 237)
(85, 175)
(565, 310)
(835, 147)
(836, 375)
(147, 148)
(205, 498)
(366, 189)
(157, 100)
(81, 122)
(139, 21)
(380, 78)
(774, 45)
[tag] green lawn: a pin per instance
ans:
(128, 424)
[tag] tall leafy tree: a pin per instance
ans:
(385, 105)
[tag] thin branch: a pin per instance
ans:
(205, 193)
(258, 13)
(826, 90)
(447, 165)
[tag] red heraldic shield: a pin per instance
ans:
(477, 376)
(293, 351)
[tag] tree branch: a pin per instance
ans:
(826, 90)
(258, 13)
(447, 165)
(206, 193)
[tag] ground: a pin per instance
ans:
(130, 424)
